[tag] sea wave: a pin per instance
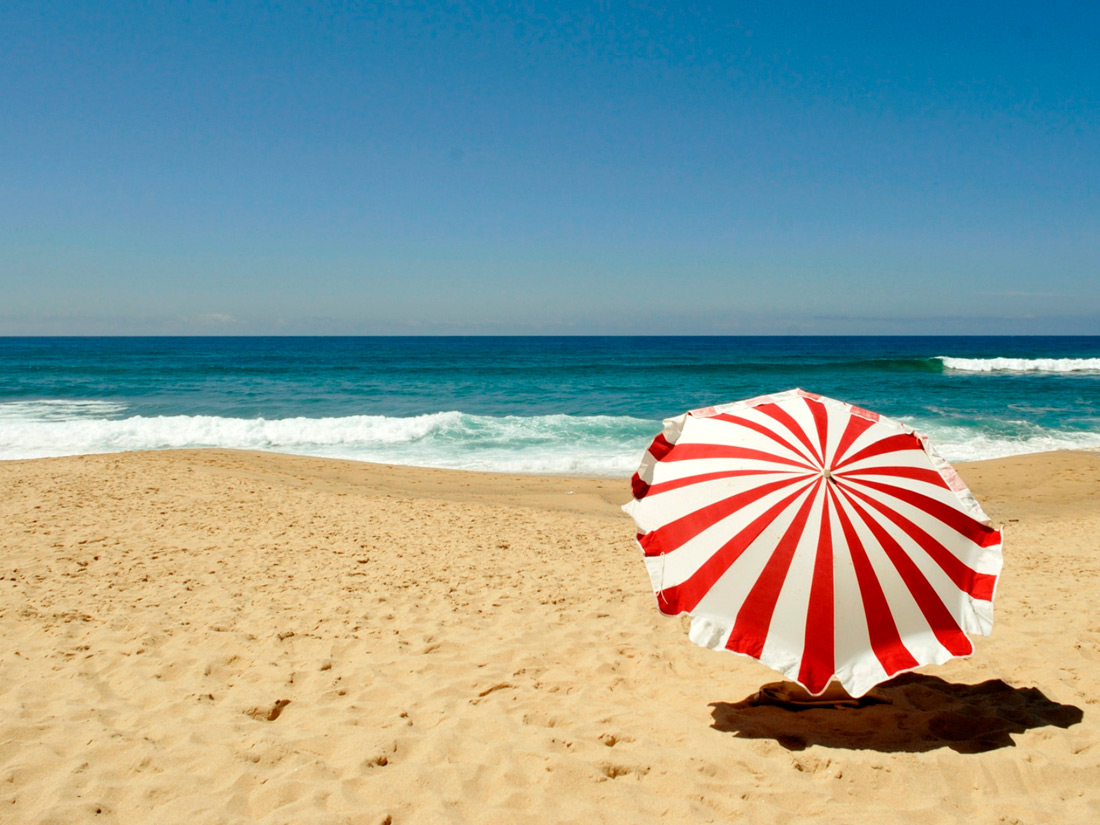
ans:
(595, 445)
(968, 443)
(555, 444)
(59, 409)
(1054, 365)
(790, 365)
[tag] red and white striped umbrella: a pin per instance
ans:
(824, 540)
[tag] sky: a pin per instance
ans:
(549, 168)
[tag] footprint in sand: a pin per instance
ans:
(268, 714)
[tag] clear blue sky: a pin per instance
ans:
(230, 168)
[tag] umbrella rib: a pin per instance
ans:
(935, 612)
(978, 585)
(685, 596)
(882, 631)
(750, 629)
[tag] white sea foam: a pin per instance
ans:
(589, 445)
(1058, 365)
(957, 443)
(549, 444)
(58, 410)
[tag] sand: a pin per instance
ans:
(224, 637)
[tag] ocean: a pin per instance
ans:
(558, 405)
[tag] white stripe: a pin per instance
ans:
(728, 593)
(676, 470)
(977, 558)
(912, 458)
(945, 588)
(915, 632)
(658, 509)
(858, 669)
(680, 564)
(727, 434)
(787, 633)
(804, 418)
(881, 429)
(837, 418)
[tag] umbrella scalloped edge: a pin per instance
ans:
(711, 631)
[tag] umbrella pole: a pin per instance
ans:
(793, 695)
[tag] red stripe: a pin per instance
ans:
(693, 452)
(660, 447)
(665, 486)
(890, 444)
(676, 533)
(971, 582)
(821, 422)
(750, 630)
(856, 427)
(915, 473)
(937, 615)
(881, 629)
(685, 596)
(784, 418)
(957, 520)
(818, 655)
(760, 428)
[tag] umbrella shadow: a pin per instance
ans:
(911, 713)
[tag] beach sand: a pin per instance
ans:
(224, 637)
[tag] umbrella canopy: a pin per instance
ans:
(824, 540)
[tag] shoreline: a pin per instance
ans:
(235, 636)
(550, 490)
(387, 466)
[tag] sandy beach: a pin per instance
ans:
(229, 637)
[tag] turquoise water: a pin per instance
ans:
(544, 405)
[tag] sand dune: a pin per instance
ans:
(224, 637)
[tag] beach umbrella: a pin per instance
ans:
(824, 540)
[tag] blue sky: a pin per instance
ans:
(355, 168)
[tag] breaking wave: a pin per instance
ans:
(961, 443)
(1053, 365)
(58, 410)
(594, 445)
(549, 444)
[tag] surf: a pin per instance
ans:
(555, 444)
(1017, 365)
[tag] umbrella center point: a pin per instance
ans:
(827, 475)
